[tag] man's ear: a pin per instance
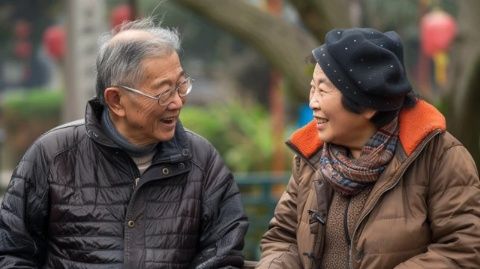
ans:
(113, 99)
(369, 113)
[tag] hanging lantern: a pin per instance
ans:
(54, 41)
(120, 14)
(437, 30)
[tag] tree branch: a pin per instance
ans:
(284, 45)
(322, 15)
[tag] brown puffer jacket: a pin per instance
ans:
(78, 201)
(423, 212)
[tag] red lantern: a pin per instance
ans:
(54, 41)
(120, 14)
(437, 30)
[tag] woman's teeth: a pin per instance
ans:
(320, 121)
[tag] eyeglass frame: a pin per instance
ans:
(169, 93)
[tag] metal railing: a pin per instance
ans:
(260, 194)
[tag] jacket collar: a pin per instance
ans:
(415, 124)
(172, 150)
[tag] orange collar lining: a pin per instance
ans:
(415, 124)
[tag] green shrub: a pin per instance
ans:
(242, 133)
(37, 103)
(25, 116)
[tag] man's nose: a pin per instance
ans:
(175, 101)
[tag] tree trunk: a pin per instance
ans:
(284, 45)
(323, 15)
(463, 104)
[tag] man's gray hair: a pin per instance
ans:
(119, 60)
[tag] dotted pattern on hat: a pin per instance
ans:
(366, 66)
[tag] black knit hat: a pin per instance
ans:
(366, 66)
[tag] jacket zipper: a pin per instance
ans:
(136, 185)
(345, 223)
(136, 176)
(345, 229)
(411, 159)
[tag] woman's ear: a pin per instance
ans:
(113, 98)
(369, 113)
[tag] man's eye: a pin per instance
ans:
(163, 93)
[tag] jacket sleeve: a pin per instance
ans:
(279, 243)
(23, 215)
(454, 209)
(224, 222)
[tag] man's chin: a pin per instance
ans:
(167, 136)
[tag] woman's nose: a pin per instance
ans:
(313, 102)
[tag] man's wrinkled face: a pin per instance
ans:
(146, 121)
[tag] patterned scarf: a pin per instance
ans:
(350, 176)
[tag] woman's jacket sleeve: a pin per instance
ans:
(454, 213)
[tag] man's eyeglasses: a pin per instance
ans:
(183, 89)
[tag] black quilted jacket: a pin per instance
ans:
(77, 201)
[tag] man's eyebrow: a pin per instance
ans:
(183, 74)
(162, 82)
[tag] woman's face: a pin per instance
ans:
(335, 124)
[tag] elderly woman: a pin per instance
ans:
(377, 181)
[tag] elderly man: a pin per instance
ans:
(128, 187)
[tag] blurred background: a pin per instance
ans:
(248, 59)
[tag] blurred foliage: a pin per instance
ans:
(34, 103)
(26, 115)
(242, 133)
